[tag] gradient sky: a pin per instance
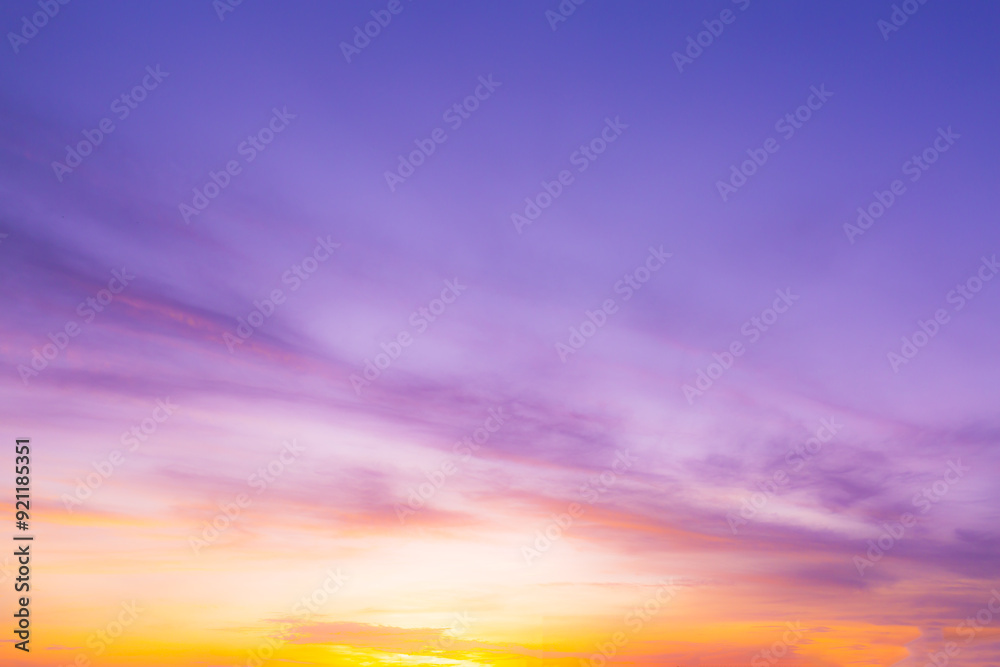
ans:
(664, 481)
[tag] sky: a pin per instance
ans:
(502, 334)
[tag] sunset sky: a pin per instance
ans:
(517, 334)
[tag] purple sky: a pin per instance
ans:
(517, 291)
